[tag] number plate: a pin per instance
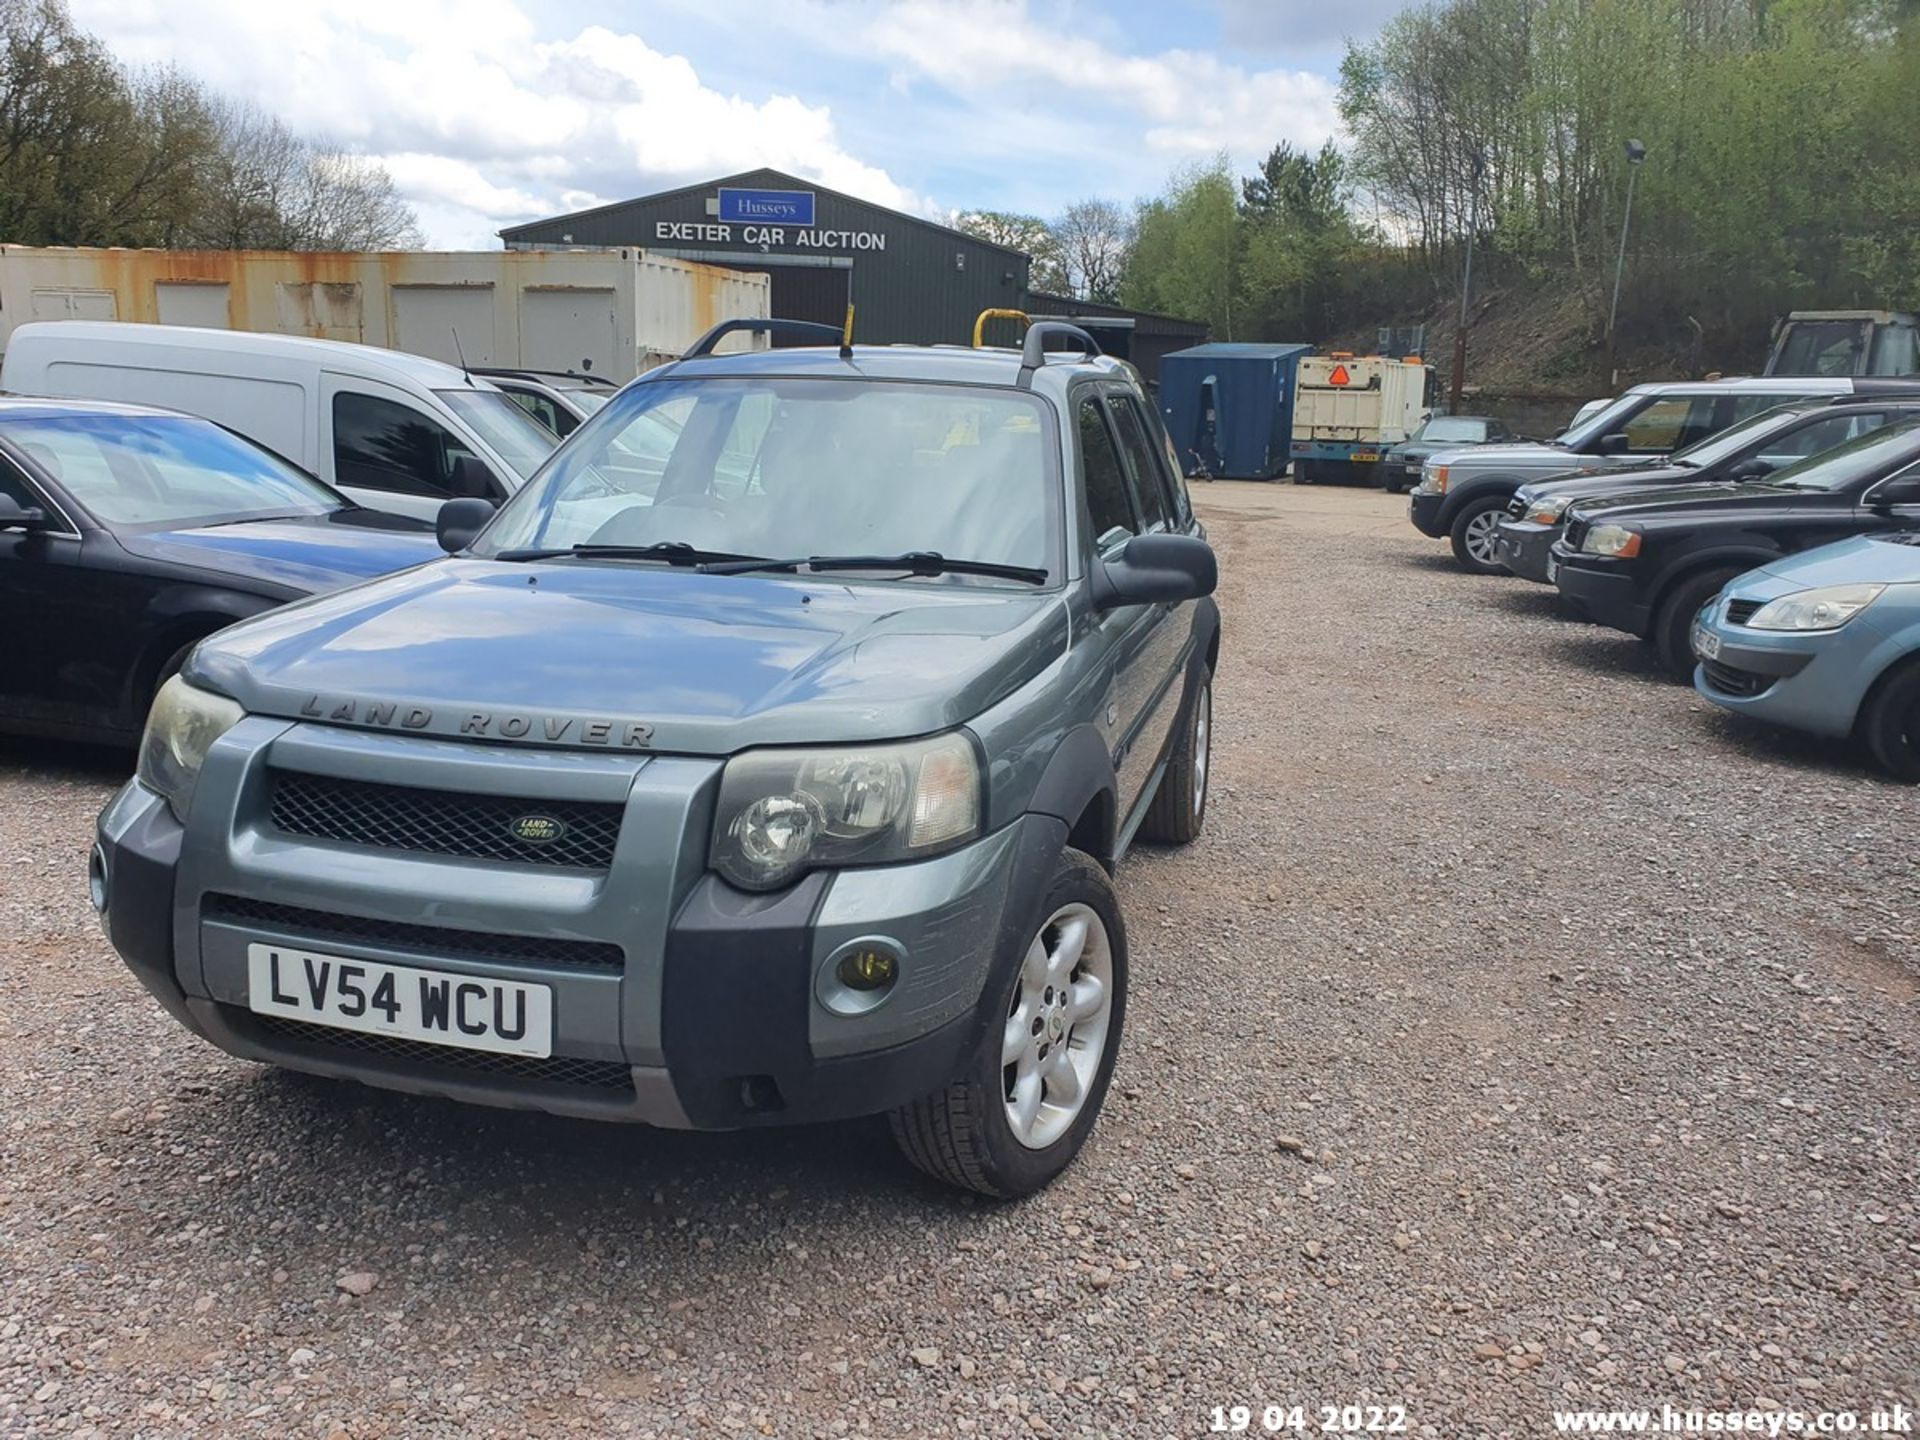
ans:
(1363, 456)
(1553, 570)
(1706, 644)
(434, 1006)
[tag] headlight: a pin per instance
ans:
(1548, 511)
(1615, 540)
(785, 812)
(1827, 608)
(1433, 479)
(181, 728)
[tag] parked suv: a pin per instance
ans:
(1463, 493)
(1751, 450)
(773, 773)
(1648, 562)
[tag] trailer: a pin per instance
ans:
(604, 312)
(1348, 411)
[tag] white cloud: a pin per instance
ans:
(1193, 103)
(480, 122)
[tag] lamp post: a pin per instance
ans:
(1636, 152)
(1466, 290)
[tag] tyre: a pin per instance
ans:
(1673, 619)
(1179, 807)
(1030, 1094)
(1475, 529)
(1890, 722)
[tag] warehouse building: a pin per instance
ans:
(910, 280)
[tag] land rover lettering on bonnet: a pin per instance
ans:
(925, 640)
(517, 725)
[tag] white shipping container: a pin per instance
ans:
(1370, 401)
(617, 312)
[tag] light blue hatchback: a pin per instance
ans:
(1826, 641)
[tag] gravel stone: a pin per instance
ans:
(1432, 792)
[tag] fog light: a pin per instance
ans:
(97, 879)
(867, 968)
(860, 975)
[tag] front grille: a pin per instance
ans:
(1739, 612)
(436, 940)
(1730, 680)
(441, 822)
(323, 1041)
(1576, 533)
(1517, 508)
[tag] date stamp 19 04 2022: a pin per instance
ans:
(1322, 1419)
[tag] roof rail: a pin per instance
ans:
(1033, 354)
(799, 329)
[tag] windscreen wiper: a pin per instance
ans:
(913, 562)
(672, 552)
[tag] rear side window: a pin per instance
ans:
(1668, 425)
(1149, 485)
(381, 445)
(1823, 435)
(1105, 481)
(542, 408)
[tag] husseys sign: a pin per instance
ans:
(777, 219)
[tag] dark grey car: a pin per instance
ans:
(764, 760)
(1400, 466)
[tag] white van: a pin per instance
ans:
(396, 432)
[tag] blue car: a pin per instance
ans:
(128, 534)
(1826, 641)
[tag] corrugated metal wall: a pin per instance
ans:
(912, 281)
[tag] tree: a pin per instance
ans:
(1187, 249)
(1028, 234)
(94, 153)
(1094, 238)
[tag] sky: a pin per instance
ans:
(492, 112)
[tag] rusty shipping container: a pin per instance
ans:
(615, 312)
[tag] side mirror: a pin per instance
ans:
(1901, 490)
(15, 516)
(472, 480)
(459, 521)
(1155, 570)
(1614, 444)
(1751, 468)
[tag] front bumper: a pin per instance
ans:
(1526, 548)
(677, 1000)
(1805, 680)
(1424, 510)
(1605, 592)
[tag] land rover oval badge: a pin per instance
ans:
(536, 829)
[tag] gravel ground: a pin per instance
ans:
(1522, 1033)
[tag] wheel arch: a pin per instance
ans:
(1078, 788)
(188, 617)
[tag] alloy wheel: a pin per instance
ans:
(1056, 1031)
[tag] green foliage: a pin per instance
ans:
(92, 153)
(1189, 251)
(1779, 136)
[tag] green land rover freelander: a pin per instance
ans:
(764, 760)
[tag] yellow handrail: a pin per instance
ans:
(980, 321)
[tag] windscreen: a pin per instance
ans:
(1604, 421)
(1857, 460)
(1821, 347)
(1734, 439)
(794, 467)
(1453, 427)
(164, 469)
(516, 437)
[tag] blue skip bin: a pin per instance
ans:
(1229, 408)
